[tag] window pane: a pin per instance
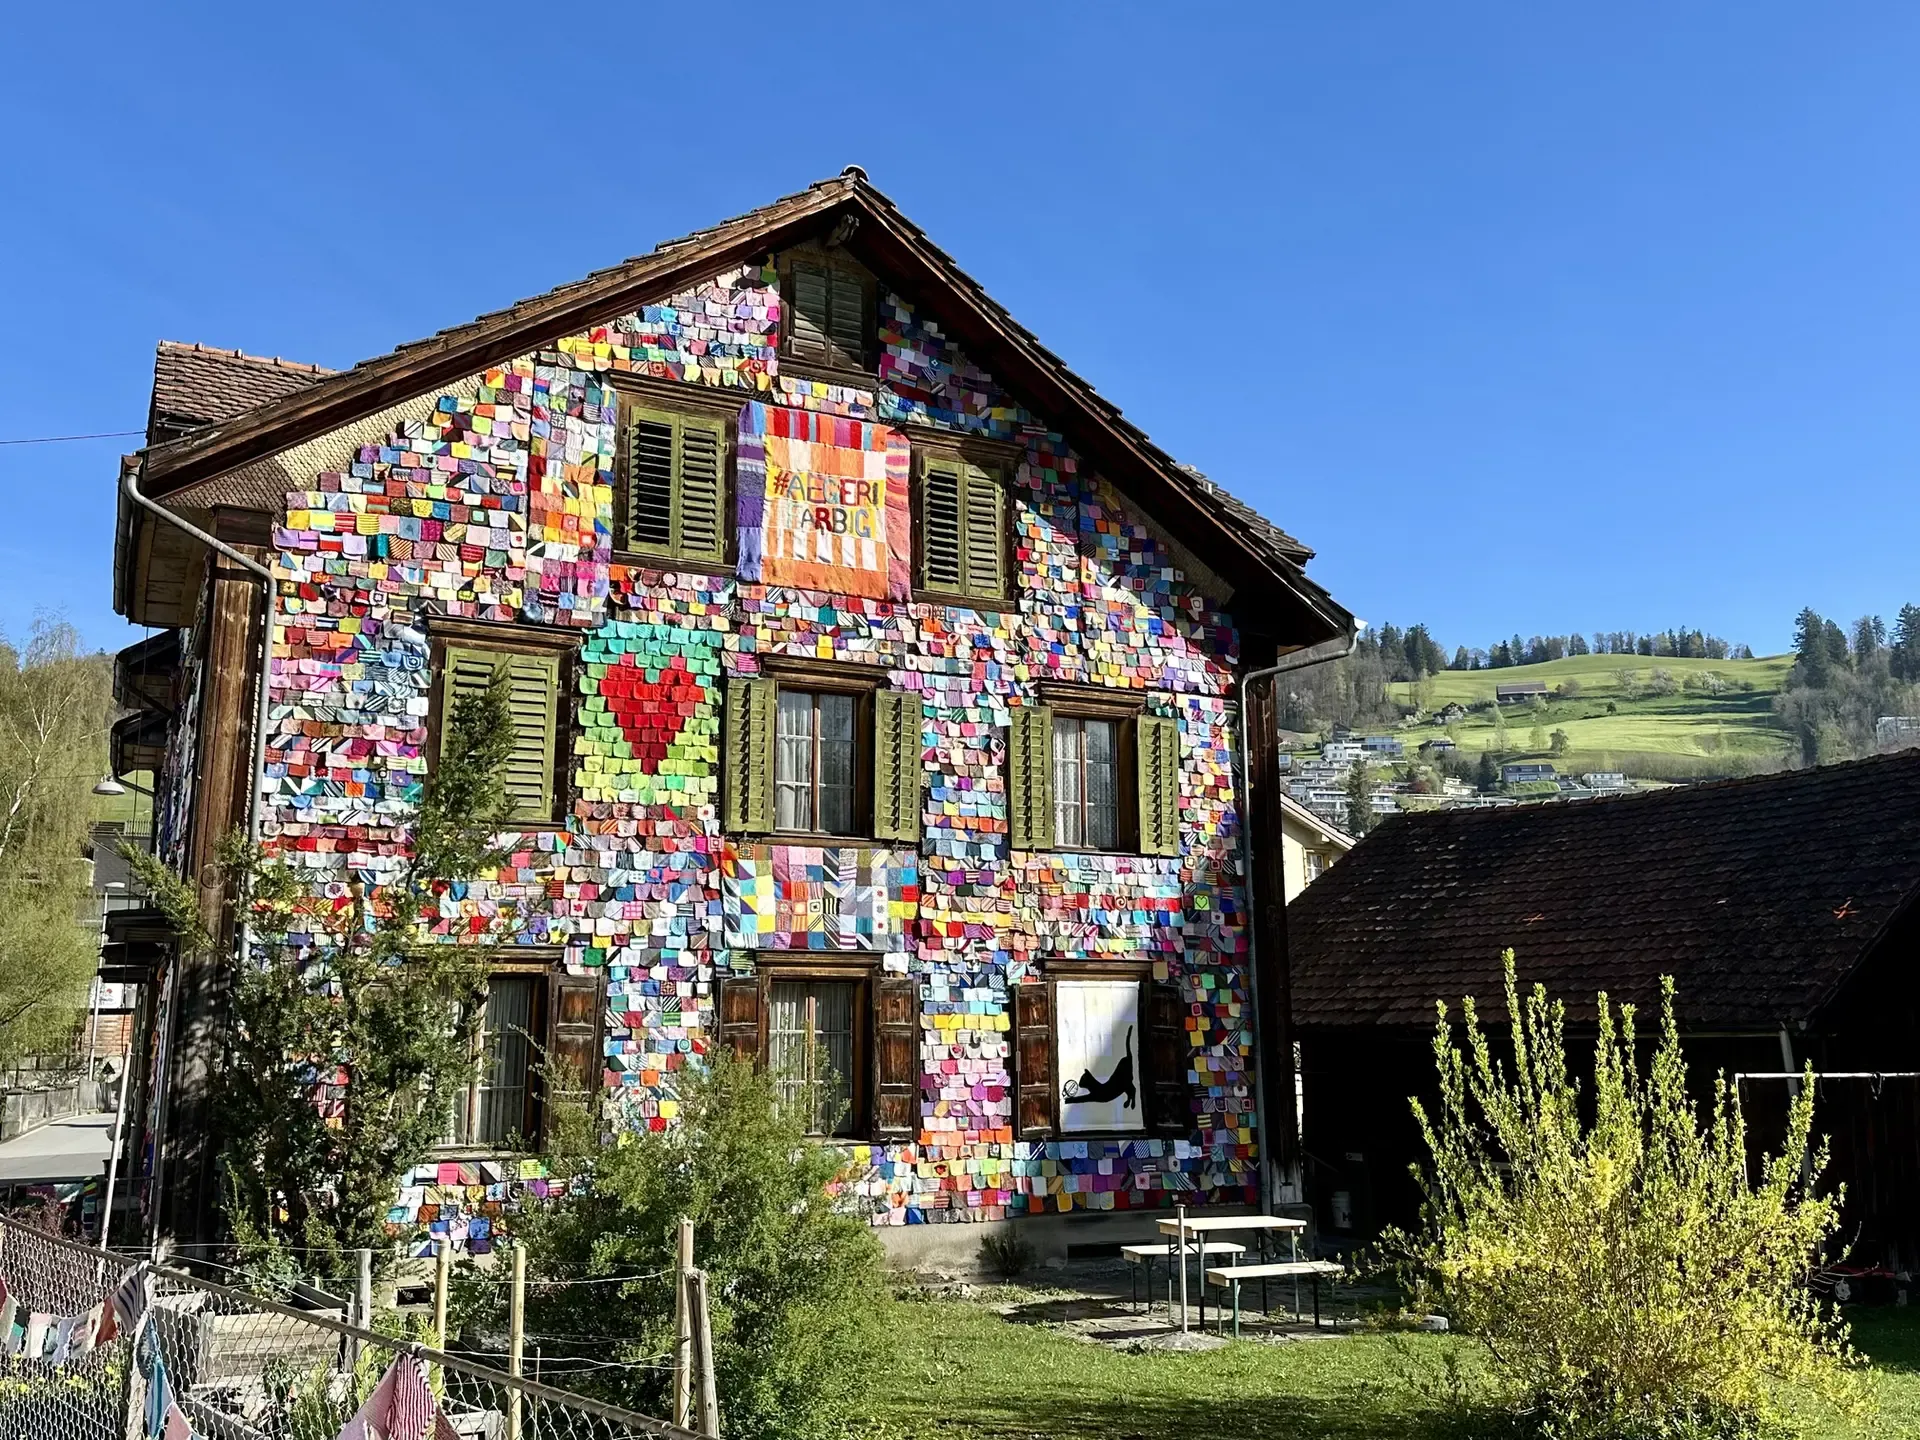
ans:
(503, 1067)
(787, 1038)
(833, 1020)
(793, 762)
(1068, 827)
(836, 764)
(1103, 791)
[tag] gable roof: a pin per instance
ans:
(1328, 831)
(195, 385)
(1246, 551)
(1758, 896)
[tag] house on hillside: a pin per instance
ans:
(1312, 844)
(873, 702)
(1450, 712)
(1438, 745)
(1526, 772)
(1520, 690)
(1786, 907)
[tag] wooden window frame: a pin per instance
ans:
(864, 373)
(644, 392)
(1000, 462)
(771, 966)
(533, 1108)
(446, 631)
(1124, 708)
(1053, 971)
(827, 678)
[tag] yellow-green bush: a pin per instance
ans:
(1627, 1274)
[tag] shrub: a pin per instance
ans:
(1626, 1275)
(796, 1280)
(1006, 1253)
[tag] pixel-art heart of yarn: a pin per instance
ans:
(650, 712)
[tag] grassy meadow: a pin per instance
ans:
(1611, 725)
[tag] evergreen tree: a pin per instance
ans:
(1906, 644)
(1359, 800)
(1461, 659)
(1812, 661)
(1869, 639)
(1487, 774)
(1835, 639)
(1577, 644)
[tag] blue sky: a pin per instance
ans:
(1526, 317)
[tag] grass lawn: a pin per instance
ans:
(1597, 674)
(966, 1373)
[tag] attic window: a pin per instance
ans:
(827, 305)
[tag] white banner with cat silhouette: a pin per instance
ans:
(1097, 1044)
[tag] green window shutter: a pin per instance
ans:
(701, 532)
(749, 755)
(942, 507)
(1157, 757)
(1030, 777)
(984, 534)
(652, 461)
(897, 767)
(533, 696)
(808, 310)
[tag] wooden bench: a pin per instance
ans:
(1138, 1255)
(1232, 1275)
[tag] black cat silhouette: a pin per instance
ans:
(1087, 1090)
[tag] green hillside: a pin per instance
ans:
(1724, 726)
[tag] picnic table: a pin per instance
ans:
(1200, 1227)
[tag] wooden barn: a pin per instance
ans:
(1783, 906)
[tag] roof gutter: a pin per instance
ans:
(1335, 648)
(130, 487)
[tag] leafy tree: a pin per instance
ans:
(1627, 1273)
(350, 1027)
(1461, 659)
(1560, 743)
(1359, 800)
(54, 705)
(796, 1277)
(1537, 738)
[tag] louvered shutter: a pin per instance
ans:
(1157, 757)
(984, 537)
(1030, 777)
(652, 455)
(847, 318)
(808, 308)
(896, 1058)
(942, 508)
(749, 755)
(897, 767)
(575, 1066)
(1169, 1096)
(1034, 1093)
(739, 1005)
(701, 496)
(533, 697)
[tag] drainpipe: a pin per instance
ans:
(1340, 645)
(130, 487)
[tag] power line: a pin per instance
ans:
(58, 439)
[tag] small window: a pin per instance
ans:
(814, 762)
(812, 1030)
(495, 1107)
(533, 699)
(962, 529)
(1086, 783)
(827, 310)
(673, 492)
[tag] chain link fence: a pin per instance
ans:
(235, 1366)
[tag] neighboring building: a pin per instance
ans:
(1604, 780)
(1312, 844)
(872, 703)
(1450, 712)
(1343, 754)
(1456, 789)
(1894, 732)
(1438, 745)
(1522, 690)
(1786, 907)
(1525, 772)
(1383, 747)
